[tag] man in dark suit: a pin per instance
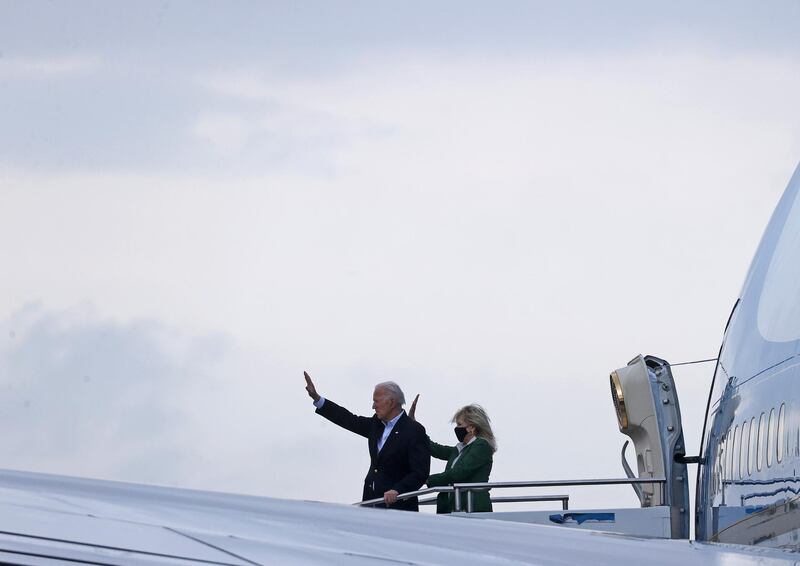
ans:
(400, 456)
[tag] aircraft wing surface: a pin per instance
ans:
(56, 520)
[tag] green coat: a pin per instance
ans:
(474, 465)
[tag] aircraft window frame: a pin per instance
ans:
(795, 428)
(792, 431)
(723, 456)
(770, 438)
(760, 438)
(743, 450)
(780, 435)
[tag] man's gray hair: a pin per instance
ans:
(394, 391)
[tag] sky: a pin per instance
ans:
(485, 203)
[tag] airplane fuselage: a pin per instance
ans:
(747, 485)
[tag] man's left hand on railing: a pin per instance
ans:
(390, 497)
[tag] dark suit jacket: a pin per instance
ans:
(474, 465)
(404, 462)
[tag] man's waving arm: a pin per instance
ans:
(336, 414)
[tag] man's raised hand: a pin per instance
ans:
(312, 391)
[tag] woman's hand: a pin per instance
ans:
(413, 410)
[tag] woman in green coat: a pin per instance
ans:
(468, 461)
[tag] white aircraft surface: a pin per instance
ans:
(54, 520)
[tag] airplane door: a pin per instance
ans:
(648, 411)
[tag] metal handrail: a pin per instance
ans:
(407, 495)
(564, 499)
(482, 486)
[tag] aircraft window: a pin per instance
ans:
(750, 452)
(797, 441)
(744, 441)
(740, 451)
(780, 439)
(770, 440)
(760, 441)
(734, 461)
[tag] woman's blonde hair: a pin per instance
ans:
(476, 416)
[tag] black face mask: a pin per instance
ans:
(461, 433)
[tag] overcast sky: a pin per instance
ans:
(486, 202)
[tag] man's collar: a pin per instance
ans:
(394, 420)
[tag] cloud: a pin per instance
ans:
(141, 401)
(227, 134)
(504, 232)
(48, 68)
(243, 84)
(253, 117)
(502, 120)
(100, 398)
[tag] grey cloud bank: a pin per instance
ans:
(120, 90)
(139, 401)
(493, 205)
(92, 397)
(215, 30)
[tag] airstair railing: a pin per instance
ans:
(460, 489)
(409, 495)
(449, 489)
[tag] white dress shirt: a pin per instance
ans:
(388, 430)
